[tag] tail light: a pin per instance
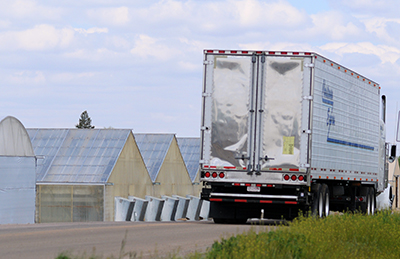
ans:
(214, 174)
(294, 177)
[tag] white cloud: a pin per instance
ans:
(227, 17)
(146, 46)
(276, 46)
(188, 66)
(379, 25)
(385, 53)
(93, 55)
(29, 9)
(371, 7)
(335, 26)
(41, 37)
(27, 78)
(260, 14)
(91, 30)
(110, 16)
(4, 24)
(67, 76)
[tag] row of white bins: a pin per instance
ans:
(166, 208)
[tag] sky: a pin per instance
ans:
(138, 64)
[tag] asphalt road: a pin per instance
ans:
(106, 238)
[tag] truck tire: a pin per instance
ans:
(325, 191)
(372, 201)
(317, 207)
(368, 206)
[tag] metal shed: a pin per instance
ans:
(17, 173)
(165, 164)
(82, 170)
(190, 149)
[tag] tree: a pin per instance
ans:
(84, 121)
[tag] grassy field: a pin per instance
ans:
(337, 236)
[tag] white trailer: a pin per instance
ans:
(288, 131)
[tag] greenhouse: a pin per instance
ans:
(17, 173)
(165, 164)
(80, 171)
(190, 150)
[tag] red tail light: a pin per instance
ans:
(286, 177)
(221, 175)
(214, 175)
(301, 178)
(207, 174)
(294, 177)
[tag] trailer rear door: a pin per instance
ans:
(252, 111)
(283, 112)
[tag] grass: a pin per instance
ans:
(338, 236)
(344, 236)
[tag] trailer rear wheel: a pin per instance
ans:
(368, 205)
(318, 201)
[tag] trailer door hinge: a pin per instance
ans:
(307, 131)
(206, 94)
(254, 58)
(307, 97)
(304, 165)
(208, 62)
(309, 65)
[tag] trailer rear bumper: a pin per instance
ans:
(253, 198)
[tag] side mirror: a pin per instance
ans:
(392, 154)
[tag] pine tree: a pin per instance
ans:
(84, 121)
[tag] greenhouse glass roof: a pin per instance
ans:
(190, 150)
(154, 148)
(77, 155)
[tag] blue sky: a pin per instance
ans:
(138, 64)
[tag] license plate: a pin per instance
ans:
(253, 189)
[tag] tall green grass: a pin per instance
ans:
(339, 236)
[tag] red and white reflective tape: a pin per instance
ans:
(254, 201)
(251, 52)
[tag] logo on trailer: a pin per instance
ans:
(327, 100)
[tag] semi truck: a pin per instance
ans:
(289, 132)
